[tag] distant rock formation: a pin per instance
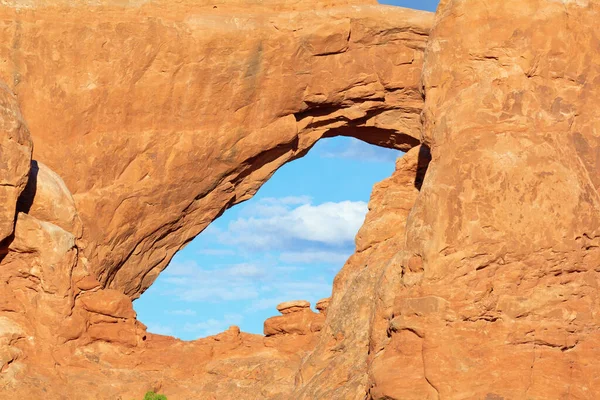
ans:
(475, 273)
(297, 319)
(322, 305)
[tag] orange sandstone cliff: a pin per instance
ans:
(126, 127)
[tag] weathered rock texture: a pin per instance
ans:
(167, 114)
(338, 367)
(475, 274)
(15, 156)
(498, 295)
(149, 120)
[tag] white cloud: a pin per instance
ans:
(284, 227)
(190, 269)
(292, 290)
(289, 199)
(305, 289)
(269, 303)
(181, 268)
(309, 257)
(262, 285)
(188, 281)
(210, 289)
(244, 270)
(214, 326)
(160, 329)
(358, 150)
(271, 206)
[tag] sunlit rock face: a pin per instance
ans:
(475, 273)
(499, 270)
(160, 115)
(15, 157)
(149, 119)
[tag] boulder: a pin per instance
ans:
(108, 302)
(322, 305)
(297, 319)
(47, 198)
(293, 306)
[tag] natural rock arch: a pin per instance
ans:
(250, 253)
(198, 109)
(171, 121)
(509, 208)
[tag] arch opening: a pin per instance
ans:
(286, 243)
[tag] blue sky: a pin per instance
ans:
(427, 5)
(286, 243)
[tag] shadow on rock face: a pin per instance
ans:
(422, 165)
(4, 246)
(24, 204)
(26, 198)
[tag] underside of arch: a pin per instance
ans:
(160, 119)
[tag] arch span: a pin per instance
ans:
(174, 114)
(287, 242)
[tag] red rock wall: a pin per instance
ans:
(498, 296)
(159, 118)
(149, 120)
(475, 274)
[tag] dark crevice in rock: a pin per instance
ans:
(4, 244)
(316, 111)
(26, 198)
(423, 164)
(24, 203)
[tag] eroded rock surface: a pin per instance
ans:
(475, 273)
(297, 319)
(363, 291)
(15, 156)
(150, 119)
(169, 113)
(499, 283)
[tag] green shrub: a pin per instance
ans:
(154, 396)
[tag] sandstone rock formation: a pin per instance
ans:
(364, 290)
(15, 156)
(297, 319)
(125, 101)
(125, 109)
(322, 305)
(475, 273)
(498, 291)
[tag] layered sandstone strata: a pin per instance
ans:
(167, 113)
